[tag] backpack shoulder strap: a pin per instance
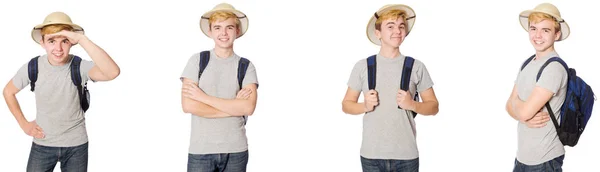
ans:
(75, 71)
(32, 71)
(527, 62)
(242, 67)
(77, 81)
(553, 59)
(204, 58)
(550, 111)
(371, 71)
(405, 78)
(406, 73)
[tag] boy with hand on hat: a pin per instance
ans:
(539, 148)
(218, 103)
(389, 135)
(59, 133)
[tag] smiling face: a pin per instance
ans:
(57, 47)
(544, 30)
(224, 29)
(391, 28)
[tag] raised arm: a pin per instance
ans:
(105, 69)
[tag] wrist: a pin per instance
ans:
(83, 39)
(413, 106)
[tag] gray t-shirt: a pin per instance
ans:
(59, 113)
(388, 132)
(538, 145)
(219, 79)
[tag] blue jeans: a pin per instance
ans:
(389, 165)
(44, 158)
(554, 165)
(222, 162)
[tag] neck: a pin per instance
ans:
(389, 52)
(541, 54)
(223, 52)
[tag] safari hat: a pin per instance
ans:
(551, 10)
(51, 19)
(410, 20)
(205, 25)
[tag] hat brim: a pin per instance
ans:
(410, 21)
(36, 34)
(564, 27)
(205, 25)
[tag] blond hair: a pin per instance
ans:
(537, 17)
(50, 29)
(390, 14)
(223, 15)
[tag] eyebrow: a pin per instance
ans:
(223, 26)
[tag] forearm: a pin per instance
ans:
(521, 111)
(202, 110)
(15, 108)
(233, 107)
(101, 59)
(426, 107)
(353, 108)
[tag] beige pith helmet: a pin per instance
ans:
(551, 10)
(54, 18)
(205, 25)
(410, 20)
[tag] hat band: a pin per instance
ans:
(236, 16)
(408, 18)
(561, 21)
(74, 30)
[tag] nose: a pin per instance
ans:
(538, 33)
(58, 46)
(223, 32)
(397, 30)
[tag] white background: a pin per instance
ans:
(304, 52)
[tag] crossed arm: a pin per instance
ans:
(196, 102)
(526, 110)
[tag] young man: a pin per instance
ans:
(59, 133)
(388, 126)
(539, 148)
(218, 103)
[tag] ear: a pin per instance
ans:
(378, 34)
(558, 35)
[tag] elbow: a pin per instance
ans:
(7, 93)
(186, 108)
(345, 108)
(248, 111)
(114, 74)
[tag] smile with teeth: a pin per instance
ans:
(223, 39)
(538, 42)
(57, 54)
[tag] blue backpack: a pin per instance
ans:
(404, 79)
(242, 67)
(82, 91)
(577, 108)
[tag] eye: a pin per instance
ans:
(532, 29)
(51, 41)
(65, 41)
